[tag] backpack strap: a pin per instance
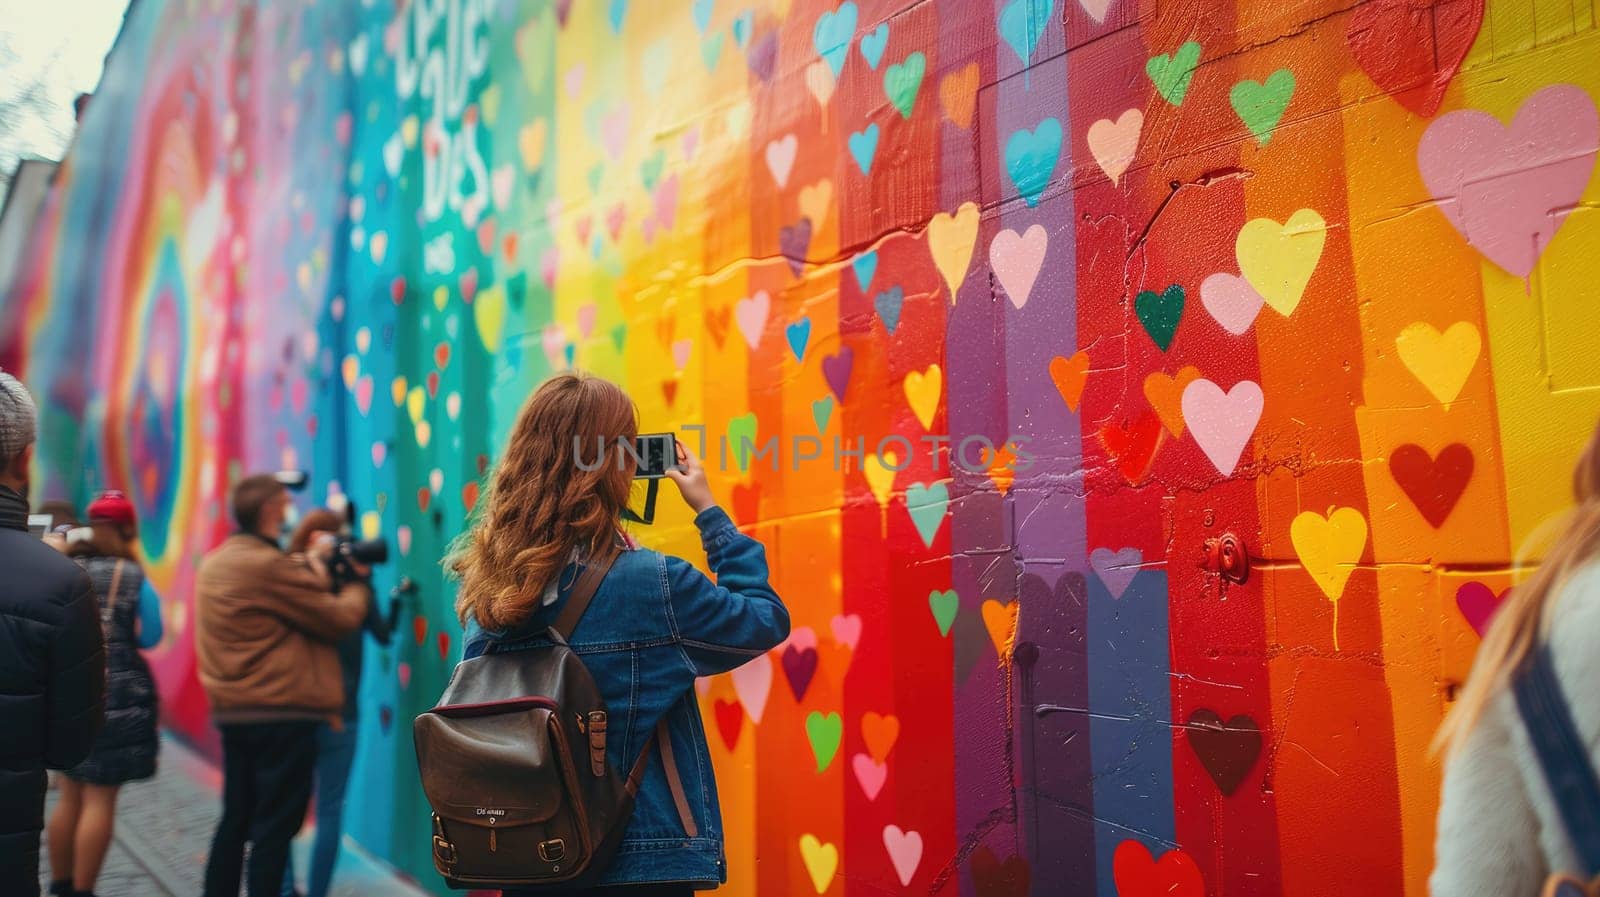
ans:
(582, 593)
(114, 596)
(1562, 755)
(674, 781)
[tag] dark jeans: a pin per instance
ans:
(266, 785)
(336, 752)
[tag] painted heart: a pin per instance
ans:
(700, 10)
(1096, 9)
(958, 94)
(1114, 143)
(873, 44)
(664, 201)
(865, 267)
(799, 667)
(669, 391)
(1022, 23)
(680, 353)
(1442, 362)
(836, 370)
(821, 859)
(815, 200)
(1132, 444)
(879, 475)
(944, 606)
(1478, 603)
(879, 731)
(820, 81)
(763, 57)
(363, 394)
(822, 413)
(1016, 260)
(1260, 105)
(793, 241)
(1031, 157)
(992, 877)
(1160, 314)
(1411, 49)
(901, 82)
(1279, 259)
(1508, 190)
(752, 682)
(1222, 422)
(1165, 394)
(1138, 874)
(380, 453)
(730, 722)
(1000, 619)
(927, 506)
(833, 35)
(711, 52)
(889, 303)
(905, 851)
(1434, 485)
(742, 438)
(444, 645)
(1116, 569)
(922, 389)
(1228, 751)
(780, 158)
(1231, 300)
(870, 775)
(618, 11)
(863, 146)
(799, 334)
(403, 671)
(751, 315)
(824, 731)
(846, 629)
(1172, 73)
(1069, 376)
(740, 27)
(1329, 547)
(614, 131)
(950, 242)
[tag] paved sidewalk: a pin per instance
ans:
(164, 829)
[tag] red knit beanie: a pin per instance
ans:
(111, 507)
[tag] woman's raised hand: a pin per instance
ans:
(690, 475)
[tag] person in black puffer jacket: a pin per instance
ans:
(52, 656)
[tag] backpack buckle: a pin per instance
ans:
(444, 853)
(553, 851)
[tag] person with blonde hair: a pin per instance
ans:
(1530, 715)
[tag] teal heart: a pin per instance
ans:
(1031, 157)
(702, 14)
(927, 506)
(799, 334)
(650, 169)
(889, 302)
(571, 352)
(873, 44)
(741, 28)
(901, 82)
(944, 606)
(865, 266)
(822, 412)
(711, 51)
(1261, 106)
(742, 438)
(833, 34)
(619, 10)
(619, 336)
(596, 172)
(1160, 313)
(1171, 74)
(1022, 23)
(825, 733)
(863, 146)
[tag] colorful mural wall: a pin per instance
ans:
(1025, 303)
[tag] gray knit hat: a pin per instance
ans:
(18, 417)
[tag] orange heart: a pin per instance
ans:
(879, 732)
(1001, 621)
(1001, 463)
(666, 326)
(1166, 396)
(1070, 374)
(958, 92)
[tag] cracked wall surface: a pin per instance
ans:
(1090, 283)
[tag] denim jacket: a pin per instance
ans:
(656, 624)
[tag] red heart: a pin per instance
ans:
(509, 246)
(730, 721)
(993, 878)
(1133, 445)
(469, 495)
(397, 290)
(1413, 48)
(441, 355)
(1434, 485)
(469, 285)
(486, 236)
(746, 503)
(717, 323)
(433, 384)
(669, 390)
(423, 497)
(1478, 603)
(1137, 874)
(444, 645)
(419, 625)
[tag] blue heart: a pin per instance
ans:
(1022, 22)
(1031, 157)
(572, 353)
(799, 334)
(833, 34)
(872, 45)
(864, 145)
(741, 28)
(865, 265)
(927, 505)
(619, 8)
(711, 50)
(702, 14)
(596, 246)
(889, 303)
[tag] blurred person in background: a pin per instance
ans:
(336, 740)
(130, 618)
(52, 656)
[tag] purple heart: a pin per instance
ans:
(836, 370)
(763, 56)
(1116, 568)
(793, 241)
(799, 666)
(563, 9)
(1478, 603)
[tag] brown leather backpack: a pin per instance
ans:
(513, 763)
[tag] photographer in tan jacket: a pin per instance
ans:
(265, 627)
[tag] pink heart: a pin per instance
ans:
(1507, 190)
(380, 452)
(780, 158)
(405, 674)
(364, 394)
(753, 683)
(905, 851)
(1222, 422)
(691, 141)
(402, 539)
(680, 352)
(647, 227)
(1478, 603)
(575, 80)
(702, 686)
(614, 131)
(1231, 300)
(847, 629)
(297, 396)
(752, 314)
(586, 316)
(615, 219)
(555, 344)
(547, 267)
(1096, 9)
(552, 213)
(801, 638)
(1116, 568)
(1016, 259)
(870, 774)
(583, 226)
(500, 183)
(666, 201)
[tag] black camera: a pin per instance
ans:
(348, 548)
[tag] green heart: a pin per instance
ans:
(1171, 74)
(1160, 313)
(825, 733)
(741, 430)
(596, 171)
(926, 505)
(822, 412)
(650, 169)
(1260, 106)
(902, 81)
(944, 605)
(619, 336)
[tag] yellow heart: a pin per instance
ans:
(1279, 259)
(489, 311)
(950, 239)
(1001, 621)
(352, 370)
(440, 297)
(1442, 361)
(737, 119)
(424, 431)
(530, 140)
(363, 340)
(302, 276)
(815, 201)
(922, 393)
(822, 861)
(408, 131)
(414, 403)
(490, 101)
(880, 476)
(1329, 547)
(397, 389)
(819, 78)
(371, 524)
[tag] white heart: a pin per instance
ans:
(1016, 259)
(751, 314)
(752, 683)
(1222, 422)
(780, 158)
